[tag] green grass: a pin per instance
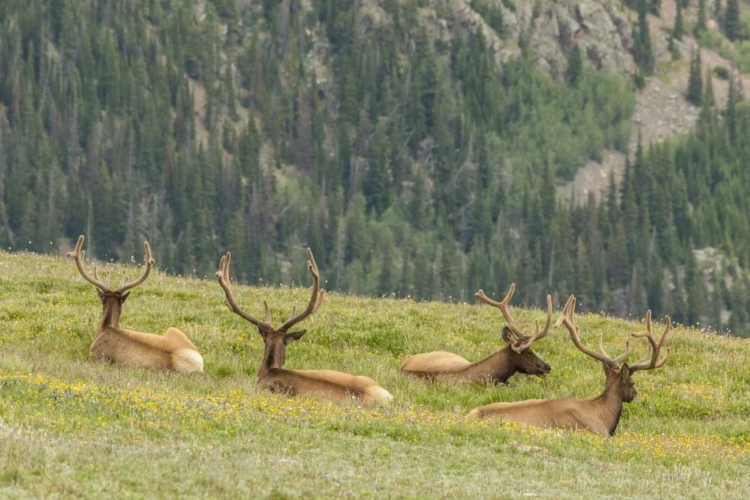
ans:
(70, 428)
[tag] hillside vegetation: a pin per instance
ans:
(70, 428)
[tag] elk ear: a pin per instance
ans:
(294, 336)
(625, 371)
(123, 297)
(507, 335)
(100, 294)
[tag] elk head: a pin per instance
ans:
(617, 371)
(274, 339)
(521, 357)
(112, 300)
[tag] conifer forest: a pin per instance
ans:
(412, 167)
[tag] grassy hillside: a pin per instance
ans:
(70, 428)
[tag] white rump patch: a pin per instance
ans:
(187, 361)
(380, 395)
(475, 413)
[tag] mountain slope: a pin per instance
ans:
(383, 135)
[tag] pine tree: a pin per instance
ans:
(477, 265)
(708, 100)
(700, 23)
(716, 303)
(575, 66)
(387, 256)
(732, 23)
(731, 113)
(643, 52)
(679, 28)
(424, 285)
(739, 316)
(695, 80)
(376, 185)
(695, 292)
(450, 272)
(406, 287)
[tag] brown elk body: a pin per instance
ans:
(516, 356)
(601, 414)
(171, 351)
(327, 384)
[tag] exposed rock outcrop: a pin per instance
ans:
(550, 28)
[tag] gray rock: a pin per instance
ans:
(551, 28)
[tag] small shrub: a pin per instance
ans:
(721, 72)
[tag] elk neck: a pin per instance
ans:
(112, 307)
(497, 367)
(274, 355)
(609, 403)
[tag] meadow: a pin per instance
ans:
(70, 428)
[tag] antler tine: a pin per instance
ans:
(650, 362)
(503, 306)
(538, 335)
(311, 306)
(268, 312)
(78, 255)
(619, 359)
(321, 295)
(573, 329)
(223, 275)
(149, 262)
(571, 300)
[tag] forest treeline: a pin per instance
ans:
(412, 166)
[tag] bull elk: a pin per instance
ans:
(329, 384)
(599, 415)
(171, 351)
(516, 356)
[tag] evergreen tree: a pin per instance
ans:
(575, 66)
(732, 23)
(450, 272)
(387, 256)
(643, 52)
(731, 113)
(715, 305)
(679, 27)
(695, 81)
(376, 185)
(700, 23)
(695, 292)
(738, 318)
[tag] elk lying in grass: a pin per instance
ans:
(171, 351)
(516, 356)
(601, 414)
(271, 374)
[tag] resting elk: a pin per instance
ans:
(329, 384)
(516, 356)
(171, 351)
(599, 415)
